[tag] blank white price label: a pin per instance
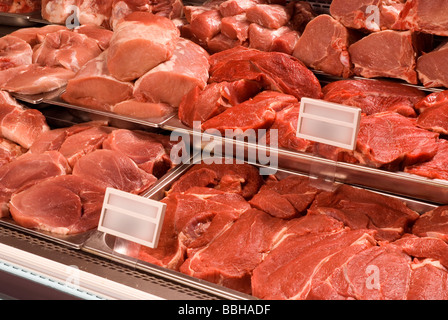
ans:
(330, 123)
(132, 217)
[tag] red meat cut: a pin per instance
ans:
(27, 170)
(433, 224)
(432, 67)
(14, 52)
(272, 16)
(324, 46)
(62, 205)
(35, 35)
(9, 151)
(434, 119)
(374, 96)
(100, 34)
(362, 209)
(437, 167)
(283, 39)
(429, 16)
(113, 169)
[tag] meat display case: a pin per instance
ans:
(128, 278)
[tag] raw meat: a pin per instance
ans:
(429, 16)
(14, 52)
(35, 79)
(235, 27)
(435, 99)
(271, 16)
(202, 105)
(21, 125)
(324, 46)
(61, 205)
(170, 81)
(36, 35)
(192, 220)
(233, 7)
(429, 281)
(285, 125)
(368, 15)
(66, 49)
(287, 198)
(254, 114)
(242, 179)
(437, 167)
(204, 23)
(396, 60)
(283, 39)
(273, 70)
(362, 209)
(27, 170)
(143, 110)
(144, 149)
(9, 151)
(142, 37)
(291, 267)
(434, 119)
(100, 34)
(391, 141)
(303, 13)
(94, 87)
(375, 96)
(431, 67)
(221, 42)
(433, 224)
(113, 169)
(16, 6)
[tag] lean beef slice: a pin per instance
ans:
(27, 170)
(371, 58)
(62, 205)
(437, 167)
(428, 16)
(113, 169)
(362, 209)
(273, 70)
(433, 224)
(368, 15)
(272, 16)
(14, 52)
(170, 81)
(201, 105)
(235, 27)
(94, 87)
(142, 37)
(374, 96)
(66, 49)
(391, 141)
(143, 110)
(432, 67)
(324, 45)
(434, 119)
(283, 39)
(204, 22)
(254, 114)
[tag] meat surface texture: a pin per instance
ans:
(324, 46)
(16, 6)
(426, 16)
(14, 52)
(431, 67)
(62, 205)
(433, 224)
(142, 37)
(375, 96)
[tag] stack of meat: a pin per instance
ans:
(20, 6)
(106, 13)
(54, 179)
(39, 60)
(268, 25)
(351, 40)
(145, 71)
(285, 238)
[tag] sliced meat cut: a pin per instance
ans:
(113, 169)
(435, 168)
(272, 16)
(254, 114)
(143, 110)
(94, 87)
(433, 224)
(14, 52)
(21, 125)
(435, 99)
(100, 34)
(66, 49)
(324, 45)
(204, 23)
(142, 37)
(144, 149)
(235, 27)
(398, 60)
(61, 205)
(431, 67)
(429, 281)
(202, 105)
(391, 141)
(275, 71)
(27, 170)
(233, 7)
(221, 42)
(434, 119)
(35, 35)
(35, 79)
(368, 15)
(429, 16)
(375, 96)
(389, 217)
(283, 39)
(9, 151)
(170, 81)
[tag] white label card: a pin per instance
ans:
(330, 123)
(132, 217)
